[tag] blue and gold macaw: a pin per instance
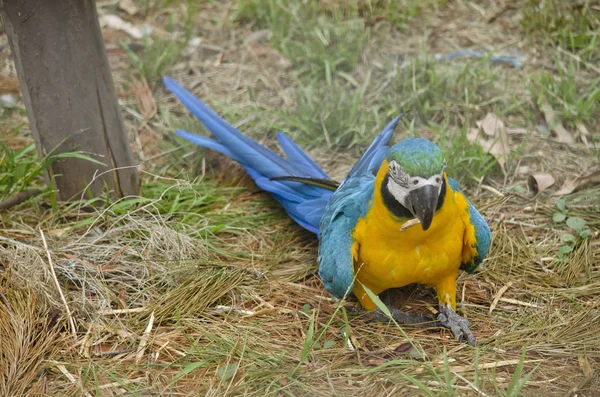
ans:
(396, 219)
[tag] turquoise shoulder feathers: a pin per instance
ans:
(349, 204)
(483, 234)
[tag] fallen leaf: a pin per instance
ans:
(583, 133)
(554, 124)
(128, 6)
(572, 185)
(403, 348)
(116, 22)
(148, 141)
(392, 352)
(491, 125)
(494, 139)
(584, 365)
(568, 187)
(539, 182)
(146, 104)
(108, 349)
(52, 319)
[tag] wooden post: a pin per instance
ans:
(69, 94)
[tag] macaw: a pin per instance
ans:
(396, 219)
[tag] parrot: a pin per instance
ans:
(395, 219)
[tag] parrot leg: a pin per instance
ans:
(458, 325)
(447, 318)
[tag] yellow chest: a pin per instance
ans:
(386, 257)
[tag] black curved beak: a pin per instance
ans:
(424, 202)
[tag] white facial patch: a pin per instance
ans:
(399, 192)
(401, 183)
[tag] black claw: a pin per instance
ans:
(458, 325)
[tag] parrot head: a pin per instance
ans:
(414, 185)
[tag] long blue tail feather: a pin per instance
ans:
(207, 143)
(296, 155)
(304, 203)
(261, 163)
(243, 147)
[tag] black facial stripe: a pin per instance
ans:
(398, 209)
(442, 195)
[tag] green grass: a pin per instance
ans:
(157, 54)
(398, 13)
(574, 99)
(270, 13)
(336, 116)
(573, 26)
(320, 43)
(22, 169)
(570, 31)
(325, 41)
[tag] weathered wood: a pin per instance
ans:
(69, 93)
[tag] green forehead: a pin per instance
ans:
(417, 156)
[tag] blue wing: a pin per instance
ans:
(483, 234)
(372, 158)
(348, 204)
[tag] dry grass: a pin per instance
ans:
(30, 341)
(205, 287)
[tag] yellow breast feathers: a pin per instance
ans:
(387, 257)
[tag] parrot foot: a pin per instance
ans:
(458, 325)
(413, 319)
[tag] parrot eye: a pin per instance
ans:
(438, 180)
(415, 181)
